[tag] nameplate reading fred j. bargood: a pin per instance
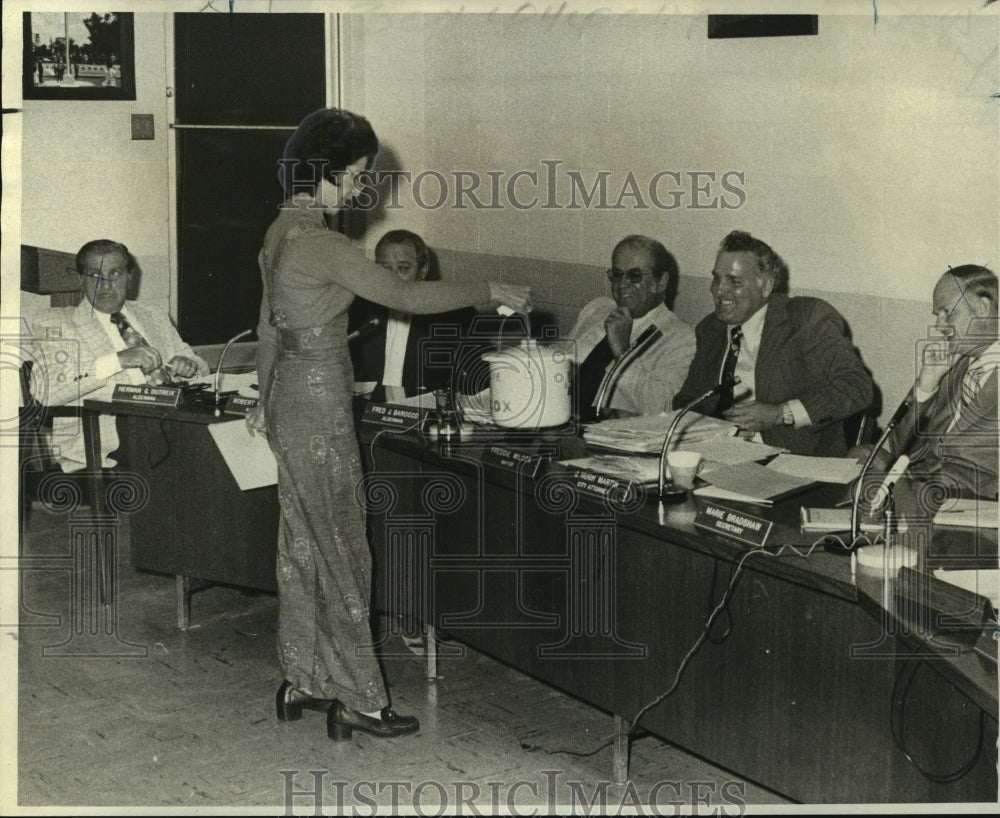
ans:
(147, 395)
(392, 416)
(736, 524)
(603, 485)
(239, 405)
(512, 460)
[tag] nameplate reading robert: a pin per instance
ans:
(736, 524)
(603, 485)
(512, 460)
(392, 416)
(239, 405)
(147, 395)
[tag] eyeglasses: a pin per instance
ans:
(107, 275)
(634, 276)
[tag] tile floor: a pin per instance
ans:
(184, 720)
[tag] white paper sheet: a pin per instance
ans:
(983, 582)
(249, 458)
(821, 469)
(970, 513)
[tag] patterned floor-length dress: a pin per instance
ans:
(324, 561)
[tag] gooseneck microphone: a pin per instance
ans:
(365, 329)
(894, 421)
(715, 390)
(645, 340)
(222, 356)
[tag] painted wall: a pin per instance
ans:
(865, 155)
(83, 177)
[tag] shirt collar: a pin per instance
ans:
(639, 324)
(753, 327)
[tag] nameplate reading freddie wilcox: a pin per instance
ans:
(239, 405)
(392, 416)
(147, 395)
(736, 524)
(512, 460)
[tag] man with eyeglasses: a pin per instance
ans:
(799, 375)
(84, 351)
(631, 351)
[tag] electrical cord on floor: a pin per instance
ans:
(897, 722)
(154, 464)
(718, 640)
(722, 606)
(706, 629)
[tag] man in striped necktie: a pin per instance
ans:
(85, 351)
(950, 432)
(631, 351)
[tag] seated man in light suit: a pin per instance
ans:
(392, 349)
(632, 352)
(950, 431)
(84, 351)
(800, 376)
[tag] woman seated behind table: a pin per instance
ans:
(396, 354)
(311, 274)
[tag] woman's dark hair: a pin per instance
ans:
(324, 144)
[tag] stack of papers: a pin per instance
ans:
(983, 582)
(645, 434)
(820, 469)
(635, 468)
(972, 513)
(751, 483)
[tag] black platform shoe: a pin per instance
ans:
(290, 701)
(341, 721)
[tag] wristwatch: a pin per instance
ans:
(787, 417)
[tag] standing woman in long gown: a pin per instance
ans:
(310, 275)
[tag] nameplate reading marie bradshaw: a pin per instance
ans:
(239, 405)
(392, 416)
(735, 524)
(513, 460)
(603, 485)
(147, 395)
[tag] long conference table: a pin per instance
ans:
(824, 686)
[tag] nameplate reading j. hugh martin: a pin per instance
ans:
(603, 485)
(736, 524)
(239, 405)
(392, 416)
(513, 460)
(147, 395)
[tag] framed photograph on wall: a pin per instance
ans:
(78, 55)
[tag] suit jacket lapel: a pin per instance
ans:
(772, 341)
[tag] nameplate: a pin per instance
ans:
(735, 524)
(603, 485)
(392, 416)
(239, 405)
(147, 395)
(512, 460)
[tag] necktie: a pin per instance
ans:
(133, 338)
(729, 369)
(589, 376)
(129, 334)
